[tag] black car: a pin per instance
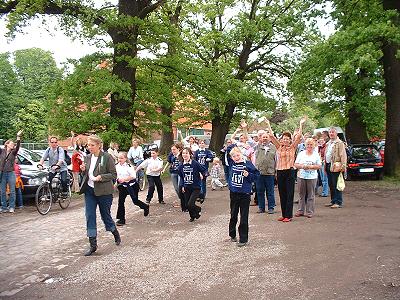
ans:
(364, 160)
(147, 149)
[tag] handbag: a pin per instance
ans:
(340, 183)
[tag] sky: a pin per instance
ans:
(55, 41)
(60, 45)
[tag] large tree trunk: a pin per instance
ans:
(167, 136)
(220, 127)
(356, 131)
(391, 67)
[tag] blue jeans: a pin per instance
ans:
(104, 203)
(140, 173)
(19, 199)
(175, 182)
(203, 188)
(7, 177)
(336, 195)
(265, 183)
(324, 180)
(226, 173)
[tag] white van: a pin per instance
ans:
(339, 131)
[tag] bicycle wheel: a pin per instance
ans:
(65, 201)
(70, 178)
(142, 182)
(43, 199)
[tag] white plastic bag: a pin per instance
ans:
(340, 183)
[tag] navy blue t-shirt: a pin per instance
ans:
(174, 163)
(190, 174)
(203, 156)
(238, 183)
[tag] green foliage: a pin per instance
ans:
(344, 71)
(83, 98)
(29, 78)
(8, 89)
(36, 70)
(232, 51)
(32, 118)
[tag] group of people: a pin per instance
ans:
(248, 164)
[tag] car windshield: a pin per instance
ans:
(30, 155)
(365, 152)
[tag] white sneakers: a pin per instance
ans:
(11, 210)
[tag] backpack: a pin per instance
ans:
(66, 155)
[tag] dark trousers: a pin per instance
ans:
(155, 181)
(183, 201)
(336, 195)
(132, 191)
(286, 182)
(191, 196)
(239, 203)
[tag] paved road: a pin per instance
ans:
(336, 255)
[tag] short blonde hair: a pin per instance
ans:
(309, 141)
(123, 153)
(236, 150)
(216, 160)
(95, 139)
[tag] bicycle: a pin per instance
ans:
(51, 192)
(140, 177)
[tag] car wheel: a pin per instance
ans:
(379, 176)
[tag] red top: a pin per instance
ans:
(17, 170)
(321, 151)
(76, 161)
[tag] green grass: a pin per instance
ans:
(389, 182)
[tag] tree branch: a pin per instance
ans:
(51, 8)
(149, 8)
(7, 7)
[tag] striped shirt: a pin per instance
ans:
(286, 156)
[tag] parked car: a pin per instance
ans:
(364, 160)
(341, 134)
(40, 152)
(381, 147)
(147, 149)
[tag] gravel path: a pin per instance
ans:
(338, 254)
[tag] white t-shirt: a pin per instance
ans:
(125, 170)
(93, 162)
(152, 164)
(328, 154)
(304, 159)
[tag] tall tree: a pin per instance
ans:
(343, 74)
(123, 23)
(37, 71)
(239, 49)
(9, 85)
(391, 66)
